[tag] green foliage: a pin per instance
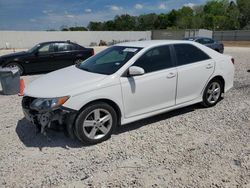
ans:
(96, 26)
(184, 18)
(233, 17)
(244, 7)
(214, 15)
(124, 22)
(147, 22)
(77, 28)
(162, 22)
(216, 7)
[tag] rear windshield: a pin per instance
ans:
(110, 60)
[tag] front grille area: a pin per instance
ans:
(27, 101)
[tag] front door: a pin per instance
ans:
(155, 89)
(42, 60)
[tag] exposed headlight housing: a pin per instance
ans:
(42, 104)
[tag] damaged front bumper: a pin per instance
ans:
(43, 120)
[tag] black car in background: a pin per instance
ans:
(217, 46)
(47, 56)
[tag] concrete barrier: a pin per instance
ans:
(27, 39)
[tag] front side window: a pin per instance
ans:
(201, 41)
(47, 48)
(156, 59)
(187, 53)
(34, 48)
(110, 60)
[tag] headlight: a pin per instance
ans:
(48, 104)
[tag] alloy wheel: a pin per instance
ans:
(213, 92)
(97, 124)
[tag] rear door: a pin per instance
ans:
(81, 53)
(63, 55)
(194, 69)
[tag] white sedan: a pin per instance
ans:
(125, 83)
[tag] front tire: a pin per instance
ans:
(16, 65)
(95, 123)
(212, 93)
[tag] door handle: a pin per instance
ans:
(171, 75)
(209, 66)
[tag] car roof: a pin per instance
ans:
(49, 42)
(194, 38)
(152, 43)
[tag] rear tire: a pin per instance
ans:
(95, 123)
(78, 61)
(16, 65)
(212, 93)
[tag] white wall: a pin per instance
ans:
(27, 39)
(205, 33)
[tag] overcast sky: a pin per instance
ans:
(52, 14)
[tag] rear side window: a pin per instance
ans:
(187, 53)
(62, 47)
(77, 47)
(158, 58)
(205, 41)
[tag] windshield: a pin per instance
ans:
(33, 48)
(110, 60)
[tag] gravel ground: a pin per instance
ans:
(190, 147)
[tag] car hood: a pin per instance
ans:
(63, 82)
(14, 55)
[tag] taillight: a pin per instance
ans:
(93, 52)
(232, 59)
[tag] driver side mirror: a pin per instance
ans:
(135, 71)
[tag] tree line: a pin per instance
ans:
(214, 15)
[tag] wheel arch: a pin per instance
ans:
(17, 62)
(219, 77)
(109, 102)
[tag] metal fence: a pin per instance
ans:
(180, 34)
(168, 34)
(198, 32)
(236, 35)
